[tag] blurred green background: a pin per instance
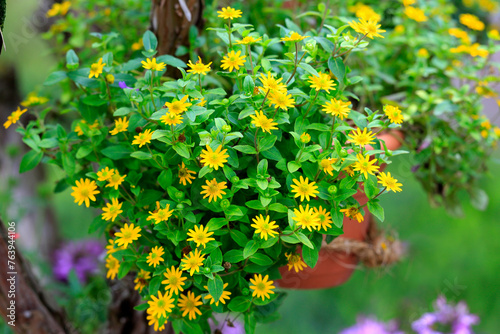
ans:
(455, 257)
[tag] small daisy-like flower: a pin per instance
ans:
(270, 84)
(281, 99)
(261, 121)
(366, 12)
(141, 281)
(112, 210)
(353, 213)
(248, 40)
(459, 33)
(171, 118)
(306, 218)
(173, 280)
(193, 261)
(112, 264)
(200, 235)
(96, 69)
(199, 67)
(294, 37)
(150, 64)
(337, 108)
(127, 235)
(262, 287)
(178, 107)
(161, 305)
(225, 295)
(214, 190)
(369, 28)
(214, 159)
(79, 130)
(115, 180)
(155, 256)
(188, 305)
(362, 138)
(229, 13)
(305, 138)
(327, 165)
(84, 191)
(365, 165)
(416, 14)
(471, 22)
(59, 9)
(185, 174)
(154, 320)
(264, 227)
(321, 82)
(389, 182)
(160, 215)
(143, 138)
(121, 125)
(113, 247)
(33, 100)
(303, 188)
(324, 217)
(202, 102)
(233, 61)
(394, 114)
(295, 262)
(14, 117)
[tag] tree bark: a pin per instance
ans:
(34, 312)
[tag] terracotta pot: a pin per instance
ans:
(334, 268)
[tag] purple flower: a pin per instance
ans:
(456, 318)
(226, 327)
(81, 256)
(123, 85)
(372, 326)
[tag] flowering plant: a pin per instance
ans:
(206, 191)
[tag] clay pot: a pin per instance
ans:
(334, 268)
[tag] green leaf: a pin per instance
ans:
(239, 237)
(261, 259)
(248, 85)
(30, 160)
(141, 155)
(141, 307)
(262, 167)
(251, 248)
(216, 223)
(278, 207)
(55, 77)
(154, 285)
(149, 40)
(301, 236)
(117, 152)
(376, 209)
(247, 149)
(71, 59)
(239, 304)
(124, 269)
(171, 61)
(267, 143)
(370, 186)
(182, 149)
(83, 151)
(337, 67)
(310, 256)
(123, 111)
(234, 256)
(293, 166)
(216, 287)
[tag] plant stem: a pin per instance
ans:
(255, 142)
(311, 104)
(199, 79)
(250, 56)
(229, 34)
(151, 90)
(329, 142)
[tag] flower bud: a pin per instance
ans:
(179, 194)
(305, 138)
(180, 206)
(226, 128)
(235, 179)
(332, 189)
(110, 78)
(245, 292)
(224, 204)
(343, 153)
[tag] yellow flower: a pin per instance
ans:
(213, 190)
(199, 67)
(409, 2)
(193, 261)
(232, 60)
(136, 46)
(127, 235)
(141, 280)
(111, 247)
(143, 138)
(155, 321)
(294, 37)
(115, 180)
(327, 165)
(214, 159)
(475, 51)
(33, 100)
(306, 218)
(389, 182)
(459, 33)
(113, 265)
(79, 130)
(160, 215)
(305, 189)
(416, 14)
(159, 306)
(110, 78)
(365, 165)
(121, 125)
(322, 81)
(14, 117)
(150, 64)
(305, 138)
(96, 69)
(493, 34)
(202, 102)
(225, 295)
(369, 28)
(154, 257)
(112, 210)
(423, 53)
(394, 114)
(84, 191)
(185, 174)
(270, 84)
(248, 40)
(295, 262)
(262, 287)
(353, 213)
(362, 138)
(171, 118)
(173, 280)
(59, 9)
(229, 13)
(200, 235)
(399, 29)
(264, 227)
(261, 121)
(188, 305)
(325, 220)
(364, 12)
(337, 108)
(281, 99)
(178, 107)
(471, 22)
